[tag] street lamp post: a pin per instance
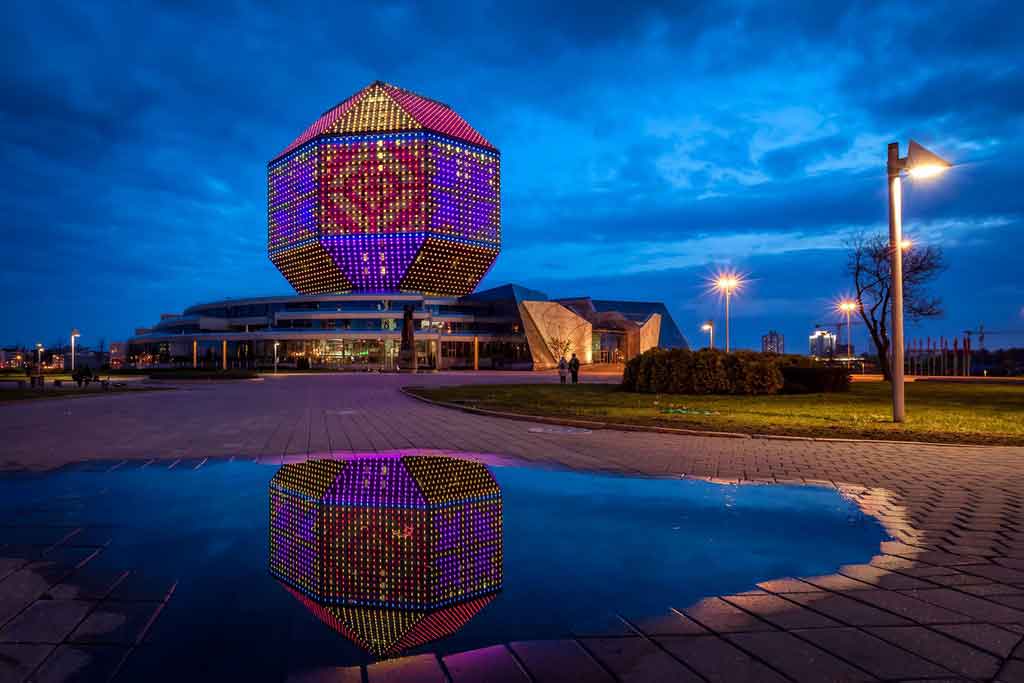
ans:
(276, 344)
(728, 295)
(919, 163)
(727, 283)
(709, 327)
(39, 365)
(848, 307)
(75, 334)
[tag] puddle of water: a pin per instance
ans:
(578, 548)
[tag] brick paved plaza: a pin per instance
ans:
(944, 601)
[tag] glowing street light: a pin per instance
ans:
(848, 306)
(75, 334)
(906, 244)
(39, 356)
(709, 327)
(276, 344)
(727, 283)
(919, 163)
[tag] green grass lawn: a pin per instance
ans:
(969, 413)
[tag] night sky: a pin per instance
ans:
(641, 150)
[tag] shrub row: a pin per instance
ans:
(708, 371)
(680, 371)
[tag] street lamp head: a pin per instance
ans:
(906, 244)
(923, 163)
(727, 282)
(926, 171)
(847, 306)
(707, 327)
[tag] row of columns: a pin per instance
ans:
(224, 353)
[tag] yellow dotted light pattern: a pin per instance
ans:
(374, 112)
(311, 270)
(443, 267)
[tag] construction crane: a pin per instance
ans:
(982, 333)
(839, 325)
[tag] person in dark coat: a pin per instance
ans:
(574, 369)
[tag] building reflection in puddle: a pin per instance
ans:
(391, 551)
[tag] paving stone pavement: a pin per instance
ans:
(944, 600)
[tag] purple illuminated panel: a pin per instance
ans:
(292, 201)
(374, 263)
(464, 190)
(462, 553)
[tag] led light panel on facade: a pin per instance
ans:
(388, 549)
(400, 192)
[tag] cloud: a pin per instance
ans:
(639, 144)
(567, 259)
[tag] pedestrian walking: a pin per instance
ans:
(574, 368)
(563, 369)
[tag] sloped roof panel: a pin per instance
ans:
(640, 311)
(367, 112)
(437, 117)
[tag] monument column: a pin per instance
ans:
(407, 351)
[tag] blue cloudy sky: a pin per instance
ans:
(643, 148)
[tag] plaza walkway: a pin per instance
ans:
(943, 601)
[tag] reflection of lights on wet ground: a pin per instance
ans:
(571, 541)
(399, 550)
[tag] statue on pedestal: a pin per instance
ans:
(407, 351)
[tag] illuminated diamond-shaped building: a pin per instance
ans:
(388, 191)
(391, 551)
(391, 201)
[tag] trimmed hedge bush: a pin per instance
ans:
(815, 380)
(680, 371)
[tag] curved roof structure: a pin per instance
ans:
(388, 108)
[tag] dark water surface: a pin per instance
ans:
(578, 549)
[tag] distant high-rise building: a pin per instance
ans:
(823, 344)
(773, 342)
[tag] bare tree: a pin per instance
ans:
(869, 265)
(562, 331)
